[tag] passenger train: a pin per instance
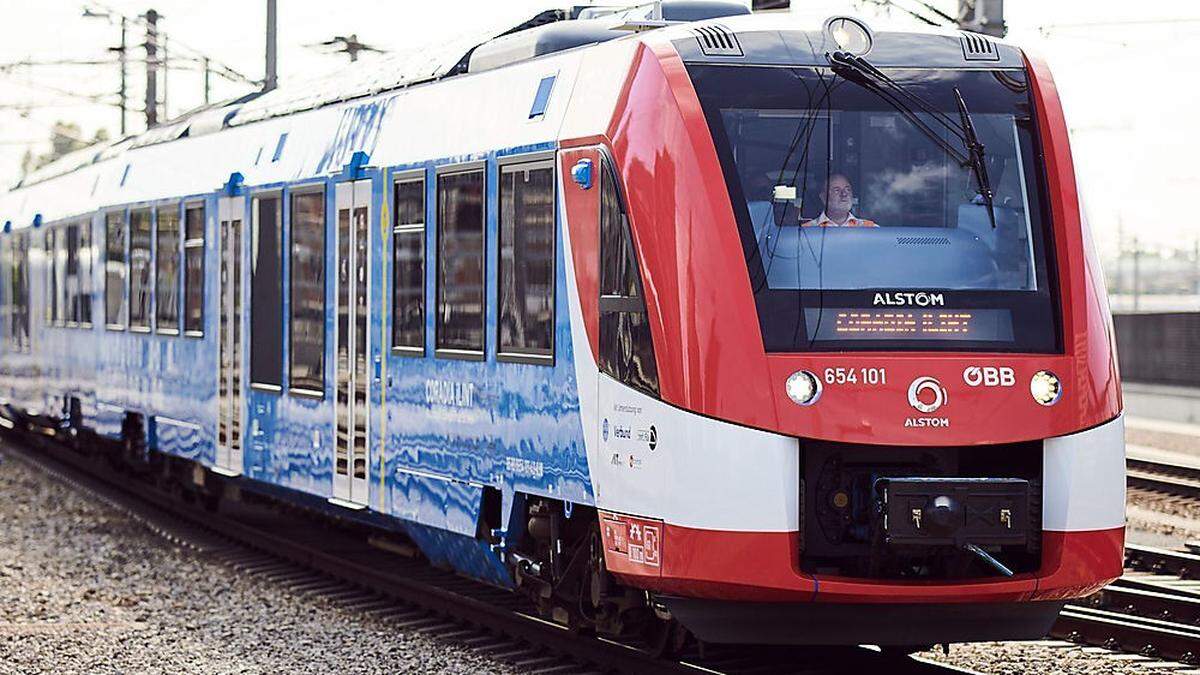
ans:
(579, 311)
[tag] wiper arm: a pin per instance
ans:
(978, 164)
(862, 72)
(847, 64)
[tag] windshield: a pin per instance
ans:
(862, 219)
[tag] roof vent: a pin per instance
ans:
(978, 48)
(716, 40)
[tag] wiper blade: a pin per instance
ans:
(978, 164)
(862, 72)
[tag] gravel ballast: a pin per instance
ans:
(1052, 658)
(86, 589)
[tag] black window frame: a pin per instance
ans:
(1040, 331)
(69, 238)
(122, 279)
(193, 245)
(157, 258)
(522, 354)
(148, 326)
(292, 195)
(460, 353)
(259, 347)
(19, 293)
(421, 229)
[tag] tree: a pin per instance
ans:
(65, 138)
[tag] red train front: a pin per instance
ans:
(854, 379)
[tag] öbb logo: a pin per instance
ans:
(989, 376)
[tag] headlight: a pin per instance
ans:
(850, 35)
(803, 387)
(1045, 387)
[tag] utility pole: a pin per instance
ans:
(1137, 274)
(271, 80)
(207, 88)
(151, 69)
(166, 78)
(982, 16)
(122, 59)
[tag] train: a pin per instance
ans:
(680, 320)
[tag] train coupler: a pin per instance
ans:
(954, 512)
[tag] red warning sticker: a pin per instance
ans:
(631, 544)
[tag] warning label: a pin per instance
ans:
(631, 542)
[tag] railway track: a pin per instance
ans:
(1146, 471)
(1154, 610)
(374, 577)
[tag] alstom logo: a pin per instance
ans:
(921, 299)
(926, 394)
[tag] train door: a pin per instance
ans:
(353, 205)
(231, 213)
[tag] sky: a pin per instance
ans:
(1126, 72)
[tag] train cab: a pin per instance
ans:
(885, 403)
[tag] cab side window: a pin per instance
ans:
(626, 349)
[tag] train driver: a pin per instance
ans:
(838, 196)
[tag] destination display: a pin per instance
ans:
(846, 323)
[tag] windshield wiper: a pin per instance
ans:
(978, 163)
(862, 72)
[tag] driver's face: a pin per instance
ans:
(839, 196)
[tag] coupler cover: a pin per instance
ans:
(954, 511)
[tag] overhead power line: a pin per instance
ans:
(219, 67)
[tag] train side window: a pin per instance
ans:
(19, 286)
(408, 267)
(266, 293)
(460, 261)
(51, 258)
(193, 272)
(69, 241)
(166, 264)
(525, 324)
(626, 349)
(141, 270)
(116, 269)
(84, 256)
(307, 278)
